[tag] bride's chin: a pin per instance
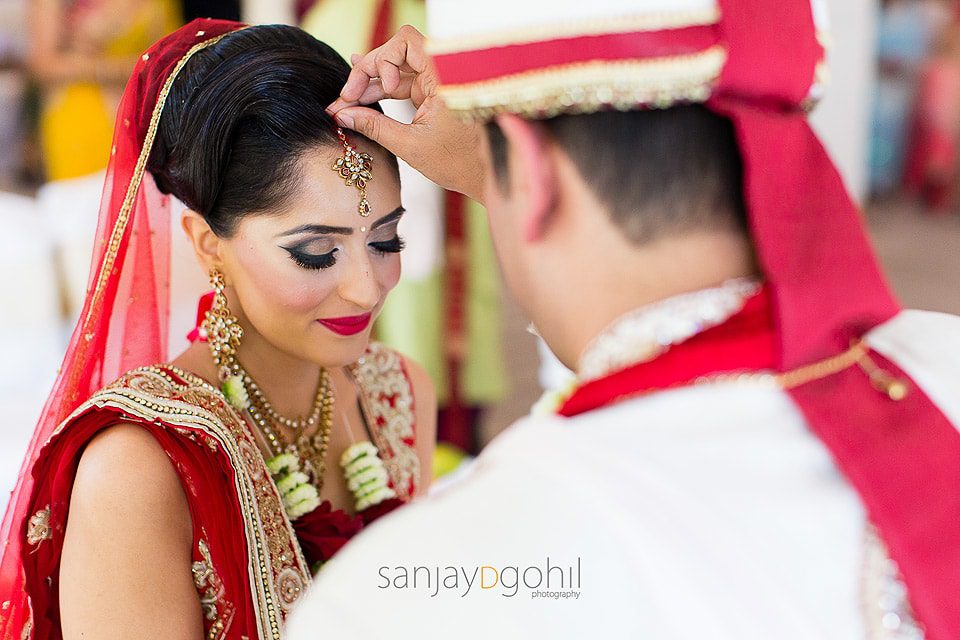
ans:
(340, 351)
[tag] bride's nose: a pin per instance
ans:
(358, 284)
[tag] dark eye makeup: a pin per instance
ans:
(312, 260)
(309, 260)
(393, 245)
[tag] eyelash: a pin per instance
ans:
(310, 261)
(393, 245)
(327, 260)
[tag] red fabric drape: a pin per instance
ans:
(902, 457)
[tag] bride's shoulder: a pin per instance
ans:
(129, 430)
(124, 459)
(126, 490)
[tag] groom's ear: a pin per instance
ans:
(531, 173)
(205, 242)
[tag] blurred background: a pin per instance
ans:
(890, 119)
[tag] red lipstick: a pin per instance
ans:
(347, 326)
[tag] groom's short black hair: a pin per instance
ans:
(659, 172)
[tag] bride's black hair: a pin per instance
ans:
(238, 118)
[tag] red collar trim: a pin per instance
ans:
(744, 343)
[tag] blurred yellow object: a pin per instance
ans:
(446, 458)
(76, 125)
(76, 130)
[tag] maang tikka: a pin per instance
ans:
(355, 169)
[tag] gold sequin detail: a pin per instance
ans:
(210, 587)
(38, 529)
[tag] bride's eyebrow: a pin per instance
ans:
(393, 216)
(322, 229)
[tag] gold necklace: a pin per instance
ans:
(310, 449)
(295, 424)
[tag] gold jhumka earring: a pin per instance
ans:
(222, 329)
(356, 170)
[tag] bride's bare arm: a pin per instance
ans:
(126, 566)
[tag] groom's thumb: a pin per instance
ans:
(383, 130)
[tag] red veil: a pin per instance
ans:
(124, 319)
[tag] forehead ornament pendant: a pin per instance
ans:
(355, 169)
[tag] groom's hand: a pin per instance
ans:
(436, 143)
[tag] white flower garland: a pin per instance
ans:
(366, 476)
(363, 469)
(298, 494)
(235, 392)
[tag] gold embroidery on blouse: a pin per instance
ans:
(38, 529)
(388, 402)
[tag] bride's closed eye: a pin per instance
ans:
(393, 245)
(312, 260)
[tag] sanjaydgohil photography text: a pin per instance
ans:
(547, 581)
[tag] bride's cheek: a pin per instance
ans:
(388, 273)
(300, 294)
(287, 289)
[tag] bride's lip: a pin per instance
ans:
(347, 326)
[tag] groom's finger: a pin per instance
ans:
(375, 91)
(384, 130)
(404, 52)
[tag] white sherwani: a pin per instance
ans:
(708, 512)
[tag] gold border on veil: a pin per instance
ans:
(120, 226)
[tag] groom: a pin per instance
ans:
(760, 443)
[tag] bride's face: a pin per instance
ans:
(311, 278)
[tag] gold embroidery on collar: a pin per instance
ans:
(388, 402)
(587, 87)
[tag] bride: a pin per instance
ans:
(194, 497)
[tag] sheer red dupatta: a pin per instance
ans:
(124, 319)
